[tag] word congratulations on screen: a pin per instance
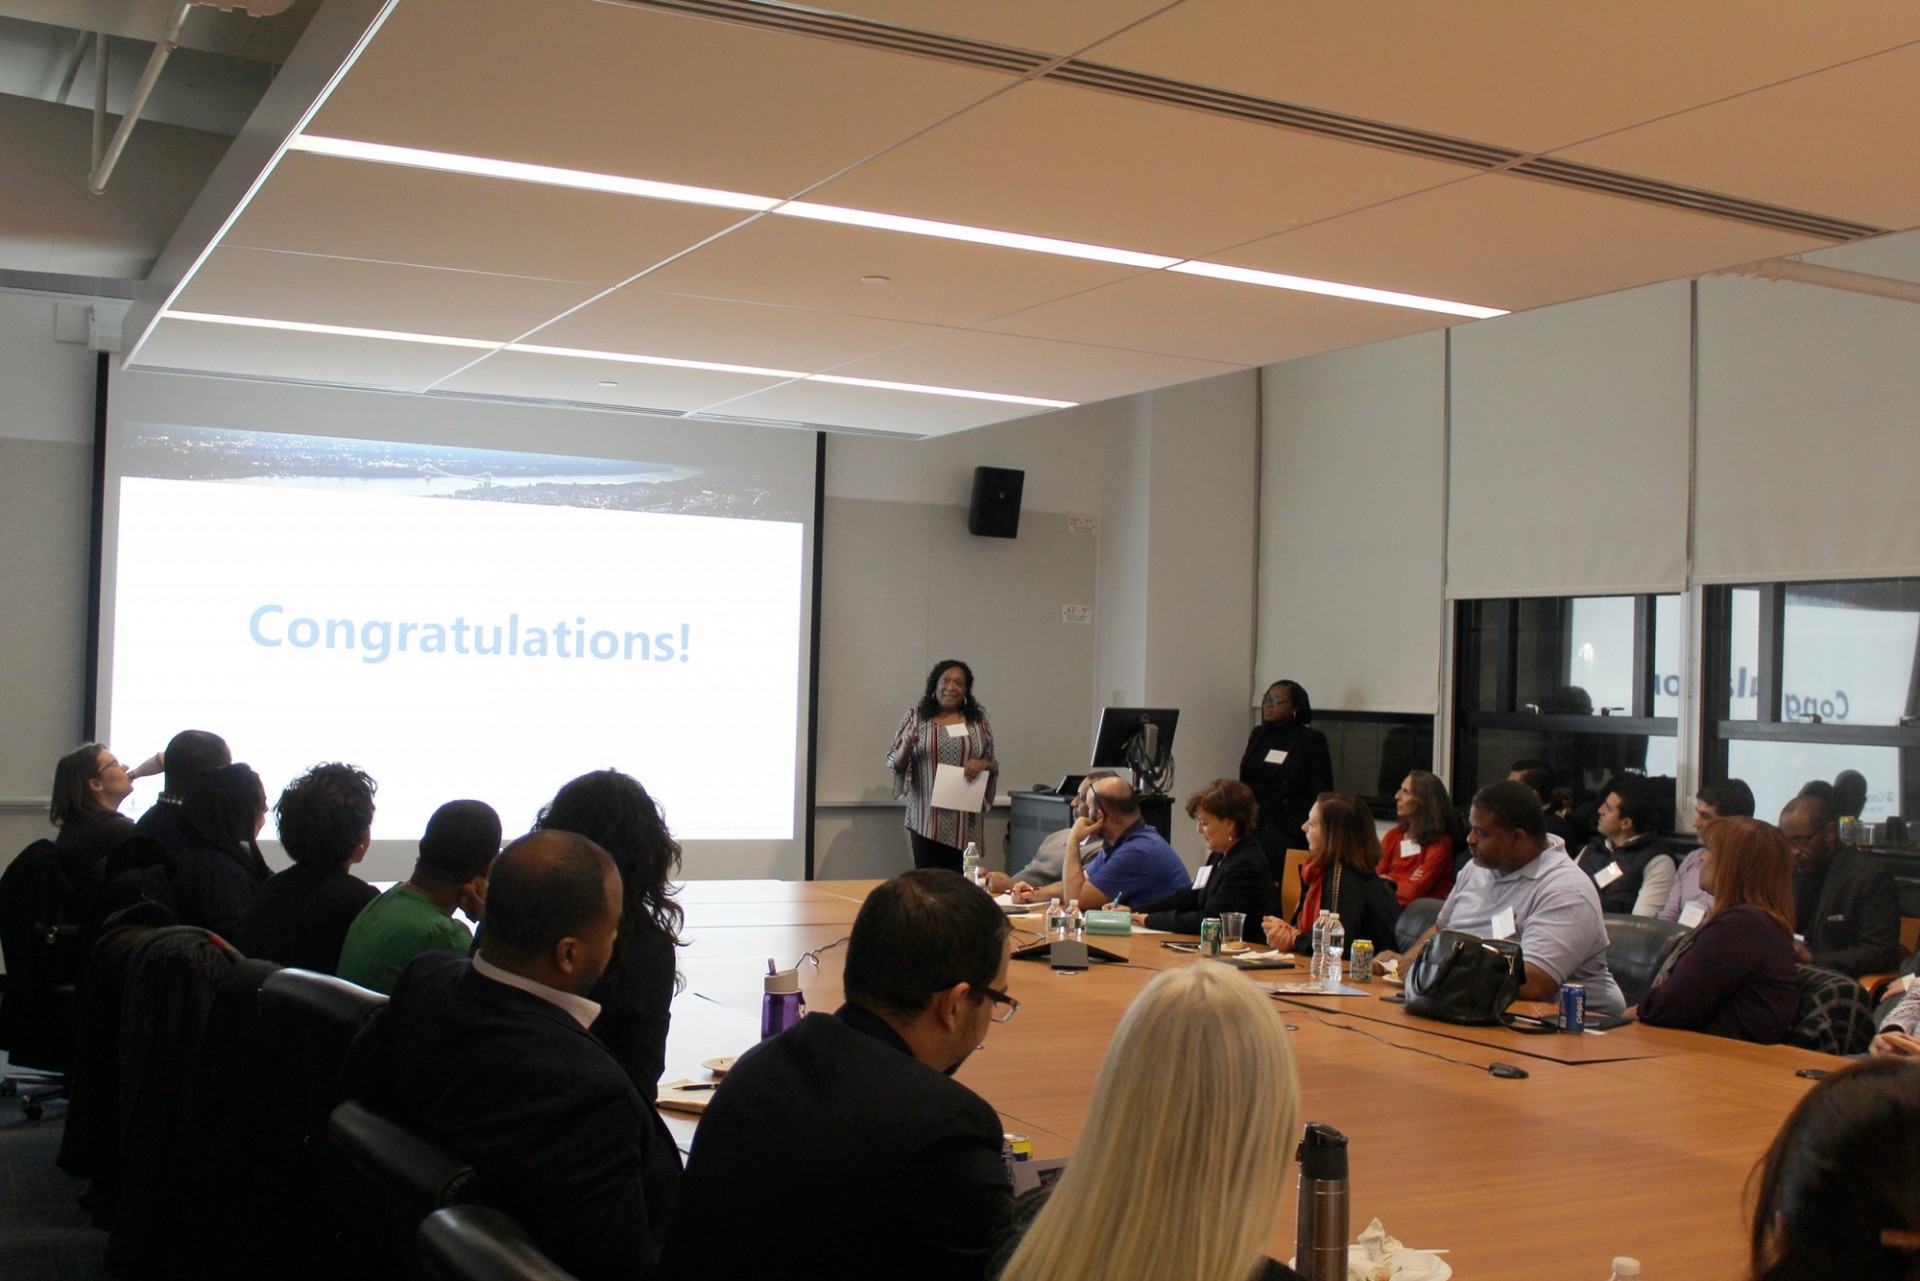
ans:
(376, 640)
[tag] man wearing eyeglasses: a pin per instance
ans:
(1846, 907)
(844, 1147)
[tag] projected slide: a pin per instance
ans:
(463, 623)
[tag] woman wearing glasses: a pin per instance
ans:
(1287, 765)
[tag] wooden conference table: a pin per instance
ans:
(1636, 1141)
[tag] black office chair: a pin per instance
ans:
(1836, 1014)
(478, 1243)
(393, 1179)
(1416, 918)
(43, 950)
(1637, 946)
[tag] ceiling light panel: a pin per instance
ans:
(440, 219)
(259, 352)
(1516, 243)
(1533, 77)
(373, 295)
(1802, 144)
(548, 377)
(672, 98)
(1058, 161)
(1215, 320)
(639, 319)
(1032, 366)
(872, 409)
(794, 262)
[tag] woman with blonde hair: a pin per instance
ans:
(1184, 1165)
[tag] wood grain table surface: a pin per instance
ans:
(1637, 1141)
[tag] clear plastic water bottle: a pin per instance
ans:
(1056, 920)
(1336, 948)
(1076, 922)
(970, 865)
(1318, 968)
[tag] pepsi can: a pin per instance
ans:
(1573, 1007)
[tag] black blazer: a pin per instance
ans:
(514, 1084)
(830, 1151)
(1286, 791)
(1368, 907)
(1856, 923)
(1238, 883)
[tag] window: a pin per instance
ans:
(1806, 680)
(1588, 684)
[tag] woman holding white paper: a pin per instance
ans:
(1287, 764)
(946, 731)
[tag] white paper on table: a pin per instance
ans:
(952, 791)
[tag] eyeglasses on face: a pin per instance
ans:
(1004, 1006)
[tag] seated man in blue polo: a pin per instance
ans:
(1520, 887)
(1135, 864)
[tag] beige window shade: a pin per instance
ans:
(1569, 460)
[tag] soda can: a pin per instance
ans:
(1211, 933)
(1573, 1007)
(1016, 1147)
(1360, 961)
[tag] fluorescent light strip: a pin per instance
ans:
(448, 162)
(337, 331)
(924, 389)
(1332, 289)
(581, 353)
(515, 171)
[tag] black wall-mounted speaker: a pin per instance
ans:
(995, 510)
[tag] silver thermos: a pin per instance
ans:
(1320, 1232)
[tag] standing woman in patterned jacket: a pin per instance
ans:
(946, 729)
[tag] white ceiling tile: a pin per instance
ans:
(1022, 24)
(613, 88)
(1212, 320)
(566, 378)
(1025, 366)
(871, 409)
(639, 321)
(321, 358)
(1806, 144)
(374, 295)
(793, 262)
(1069, 163)
(1514, 73)
(466, 222)
(1514, 243)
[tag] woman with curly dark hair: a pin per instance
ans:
(946, 729)
(636, 993)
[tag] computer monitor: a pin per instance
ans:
(1119, 725)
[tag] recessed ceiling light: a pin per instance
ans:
(606, 382)
(337, 331)
(876, 280)
(628, 358)
(449, 162)
(1332, 289)
(926, 390)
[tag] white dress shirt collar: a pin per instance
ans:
(583, 1010)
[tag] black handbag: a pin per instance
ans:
(1464, 978)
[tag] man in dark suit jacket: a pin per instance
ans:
(492, 1059)
(1846, 907)
(843, 1147)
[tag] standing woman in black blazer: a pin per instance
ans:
(1234, 877)
(1287, 765)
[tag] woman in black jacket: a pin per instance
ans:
(218, 869)
(1234, 877)
(1287, 764)
(1341, 877)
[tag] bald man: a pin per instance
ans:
(1846, 908)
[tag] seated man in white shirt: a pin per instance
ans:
(1548, 904)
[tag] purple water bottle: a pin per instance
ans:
(782, 1005)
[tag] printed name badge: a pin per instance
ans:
(1276, 757)
(957, 731)
(1502, 927)
(1608, 875)
(1200, 881)
(1692, 914)
(1409, 848)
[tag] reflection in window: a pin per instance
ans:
(1776, 771)
(1848, 652)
